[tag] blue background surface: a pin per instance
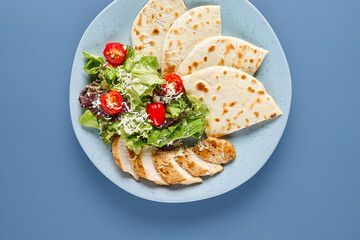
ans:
(309, 188)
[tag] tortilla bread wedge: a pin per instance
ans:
(186, 32)
(235, 99)
(152, 23)
(223, 51)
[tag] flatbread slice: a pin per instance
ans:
(187, 31)
(188, 160)
(144, 166)
(122, 157)
(215, 150)
(152, 23)
(235, 99)
(170, 170)
(223, 51)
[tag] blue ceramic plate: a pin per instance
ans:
(253, 145)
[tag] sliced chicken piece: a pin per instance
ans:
(171, 171)
(144, 166)
(215, 150)
(122, 157)
(188, 160)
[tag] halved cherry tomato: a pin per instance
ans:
(156, 113)
(110, 64)
(174, 80)
(112, 102)
(115, 53)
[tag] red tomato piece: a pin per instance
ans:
(115, 53)
(110, 64)
(175, 82)
(156, 113)
(112, 102)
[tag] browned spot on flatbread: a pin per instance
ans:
(256, 114)
(192, 12)
(196, 26)
(238, 126)
(250, 89)
(218, 21)
(251, 60)
(258, 100)
(195, 64)
(176, 14)
(228, 120)
(207, 10)
(140, 47)
(219, 86)
(155, 31)
(137, 32)
(214, 98)
(164, 29)
(211, 48)
(170, 43)
(152, 43)
(207, 23)
(229, 47)
(260, 92)
(265, 117)
(205, 59)
(246, 126)
(237, 115)
(273, 115)
(189, 69)
(225, 111)
(255, 51)
(225, 72)
(161, 8)
(139, 23)
(253, 80)
(179, 42)
(224, 104)
(201, 98)
(169, 68)
(221, 62)
(228, 128)
(233, 103)
(160, 15)
(246, 120)
(152, 16)
(217, 119)
(243, 77)
(217, 77)
(258, 61)
(141, 37)
(199, 15)
(201, 87)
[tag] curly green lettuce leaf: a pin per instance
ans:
(94, 63)
(176, 107)
(89, 119)
(135, 143)
(110, 74)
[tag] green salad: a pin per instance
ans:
(128, 97)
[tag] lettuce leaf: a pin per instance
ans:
(94, 63)
(88, 119)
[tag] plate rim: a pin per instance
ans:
(230, 187)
